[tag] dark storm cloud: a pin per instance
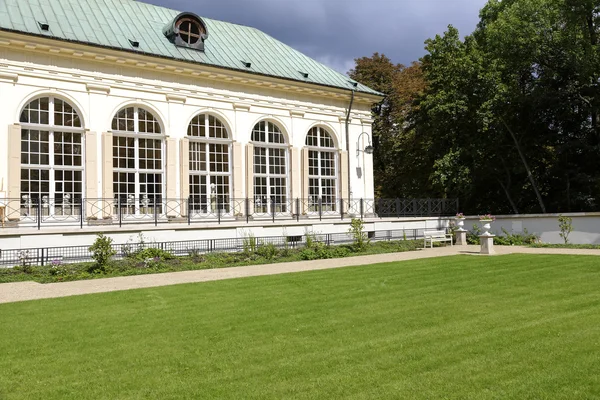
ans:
(336, 32)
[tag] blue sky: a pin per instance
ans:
(335, 32)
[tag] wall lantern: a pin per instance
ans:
(368, 149)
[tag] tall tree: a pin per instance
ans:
(393, 137)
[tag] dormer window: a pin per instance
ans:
(190, 31)
(187, 30)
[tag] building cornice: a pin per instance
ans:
(145, 62)
(9, 77)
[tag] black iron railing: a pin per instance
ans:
(74, 254)
(156, 210)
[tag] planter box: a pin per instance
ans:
(11, 224)
(96, 222)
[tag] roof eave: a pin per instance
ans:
(376, 96)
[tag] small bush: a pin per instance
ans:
(566, 227)
(102, 252)
(515, 239)
(320, 251)
(473, 235)
(311, 240)
(249, 244)
(267, 251)
(360, 237)
(507, 239)
(154, 253)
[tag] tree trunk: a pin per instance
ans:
(510, 200)
(529, 174)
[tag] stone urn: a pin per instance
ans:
(460, 222)
(486, 225)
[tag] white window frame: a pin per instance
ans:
(269, 146)
(137, 207)
(206, 141)
(50, 206)
(313, 203)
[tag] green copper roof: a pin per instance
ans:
(113, 23)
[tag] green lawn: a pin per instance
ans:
(463, 327)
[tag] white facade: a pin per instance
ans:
(99, 82)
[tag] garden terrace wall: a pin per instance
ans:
(586, 226)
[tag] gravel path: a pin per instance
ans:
(21, 291)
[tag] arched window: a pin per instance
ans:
(138, 170)
(270, 169)
(210, 169)
(322, 171)
(52, 162)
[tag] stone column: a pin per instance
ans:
(238, 171)
(184, 174)
(92, 204)
(305, 191)
(250, 171)
(107, 174)
(487, 244)
(343, 174)
(295, 174)
(461, 237)
(238, 179)
(171, 175)
(13, 184)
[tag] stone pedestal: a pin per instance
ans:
(461, 237)
(487, 244)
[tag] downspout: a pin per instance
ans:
(348, 145)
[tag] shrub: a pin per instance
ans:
(154, 253)
(473, 235)
(102, 252)
(311, 240)
(360, 237)
(267, 251)
(507, 239)
(515, 239)
(249, 244)
(320, 251)
(566, 227)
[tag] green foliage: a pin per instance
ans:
(134, 246)
(311, 240)
(359, 236)
(515, 239)
(566, 246)
(320, 251)
(102, 252)
(502, 115)
(153, 253)
(566, 227)
(267, 251)
(473, 235)
(507, 239)
(249, 244)
(152, 260)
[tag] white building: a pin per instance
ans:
(121, 109)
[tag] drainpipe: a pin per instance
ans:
(348, 145)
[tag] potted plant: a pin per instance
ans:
(486, 221)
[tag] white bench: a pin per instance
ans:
(437, 236)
